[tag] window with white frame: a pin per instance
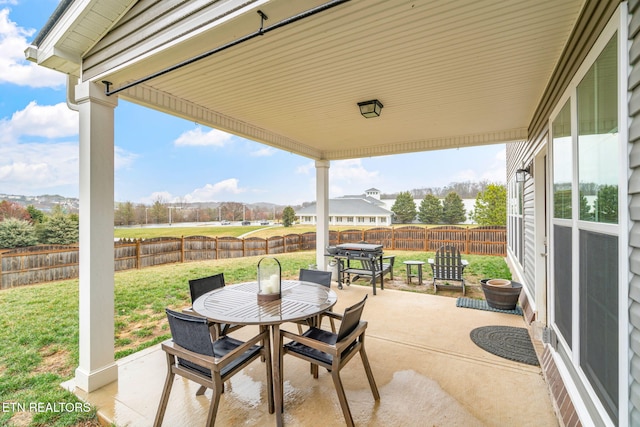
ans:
(585, 233)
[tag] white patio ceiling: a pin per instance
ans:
(450, 73)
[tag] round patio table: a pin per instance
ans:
(238, 304)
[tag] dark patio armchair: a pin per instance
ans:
(448, 266)
(192, 355)
(322, 278)
(199, 287)
(333, 351)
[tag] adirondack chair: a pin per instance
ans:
(448, 266)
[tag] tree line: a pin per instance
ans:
(161, 212)
(466, 190)
(490, 207)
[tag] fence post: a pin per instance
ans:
(217, 248)
(467, 243)
(393, 238)
(182, 249)
(266, 246)
(138, 254)
(426, 239)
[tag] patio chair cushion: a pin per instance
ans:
(221, 348)
(318, 335)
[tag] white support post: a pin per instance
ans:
(322, 212)
(96, 365)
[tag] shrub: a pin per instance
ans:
(17, 233)
(59, 229)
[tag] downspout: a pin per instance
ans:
(72, 81)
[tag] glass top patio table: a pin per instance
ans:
(238, 304)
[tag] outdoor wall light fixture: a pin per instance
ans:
(521, 174)
(371, 108)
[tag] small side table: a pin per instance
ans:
(409, 265)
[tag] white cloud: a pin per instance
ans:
(351, 171)
(32, 168)
(217, 191)
(195, 137)
(306, 168)
(345, 176)
(48, 121)
(209, 193)
(263, 152)
(14, 68)
(123, 158)
(160, 196)
(493, 170)
(343, 171)
(36, 167)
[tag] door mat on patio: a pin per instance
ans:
(506, 341)
(480, 304)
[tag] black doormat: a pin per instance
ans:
(480, 304)
(506, 341)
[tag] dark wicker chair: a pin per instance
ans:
(322, 278)
(448, 266)
(192, 355)
(333, 351)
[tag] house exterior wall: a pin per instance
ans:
(634, 212)
(348, 220)
(524, 240)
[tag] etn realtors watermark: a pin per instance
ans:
(58, 407)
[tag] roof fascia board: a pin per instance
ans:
(72, 16)
(190, 28)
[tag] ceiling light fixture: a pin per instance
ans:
(371, 108)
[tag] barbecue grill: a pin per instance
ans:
(358, 250)
(370, 257)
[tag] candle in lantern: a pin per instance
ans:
(274, 285)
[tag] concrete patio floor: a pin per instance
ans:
(427, 369)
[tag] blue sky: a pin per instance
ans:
(163, 157)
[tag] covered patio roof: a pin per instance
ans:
(449, 74)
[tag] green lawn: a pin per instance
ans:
(39, 323)
(220, 231)
(213, 231)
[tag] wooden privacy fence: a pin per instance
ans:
(38, 264)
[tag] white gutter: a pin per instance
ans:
(72, 81)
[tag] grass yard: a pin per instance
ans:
(234, 231)
(39, 324)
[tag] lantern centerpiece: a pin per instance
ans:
(269, 283)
